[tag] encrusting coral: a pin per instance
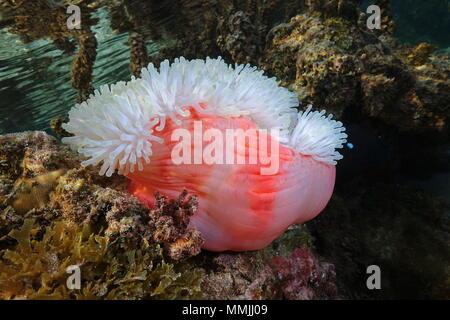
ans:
(169, 223)
(115, 249)
(79, 200)
(287, 269)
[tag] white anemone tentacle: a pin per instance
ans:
(117, 124)
(318, 136)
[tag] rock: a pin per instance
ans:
(334, 64)
(403, 231)
(277, 272)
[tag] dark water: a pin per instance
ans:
(421, 21)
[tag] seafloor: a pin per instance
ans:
(388, 207)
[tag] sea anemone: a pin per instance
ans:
(207, 127)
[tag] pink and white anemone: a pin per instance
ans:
(129, 127)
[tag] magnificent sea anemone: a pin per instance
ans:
(228, 134)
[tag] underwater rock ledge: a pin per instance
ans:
(53, 214)
(334, 62)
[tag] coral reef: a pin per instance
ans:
(334, 63)
(118, 249)
(36, 269)
(287, 269)
(320, 49)
(125, 250)
(325, 52)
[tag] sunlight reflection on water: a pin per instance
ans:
(35, 84)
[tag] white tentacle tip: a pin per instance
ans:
(318, 136)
